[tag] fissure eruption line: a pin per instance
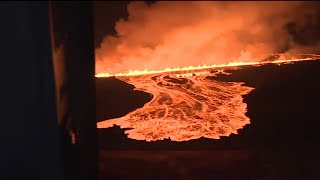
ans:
(199, 67)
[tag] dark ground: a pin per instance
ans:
(280, 143)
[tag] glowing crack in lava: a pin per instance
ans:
(187, 105)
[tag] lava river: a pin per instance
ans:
(184, 107)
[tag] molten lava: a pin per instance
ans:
(184, 108)
(186, 104)
(303, 57)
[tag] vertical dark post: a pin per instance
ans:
(73, 47)
(29, 129)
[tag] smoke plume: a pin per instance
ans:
(183, 33)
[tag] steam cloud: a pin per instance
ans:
(178, 34)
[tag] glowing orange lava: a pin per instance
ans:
(201, 67)
(186, 104)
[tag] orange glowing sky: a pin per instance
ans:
(172, 34)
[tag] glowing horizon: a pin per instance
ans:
(200, 67)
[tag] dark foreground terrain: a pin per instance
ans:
(280, 143)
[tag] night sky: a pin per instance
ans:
(106, 14)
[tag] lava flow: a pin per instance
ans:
(187, 105)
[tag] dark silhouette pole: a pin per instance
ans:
(29, 130)
(48, 123)
(73, 47)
